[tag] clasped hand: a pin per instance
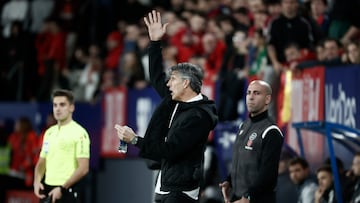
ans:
(125, 133)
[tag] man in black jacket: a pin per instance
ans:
(257, 148)
(180, 125)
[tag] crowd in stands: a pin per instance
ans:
(297, 182)
(90, 46)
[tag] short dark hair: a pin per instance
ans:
(194, 73)
(325, 168)
(299, 160)
(66, 93)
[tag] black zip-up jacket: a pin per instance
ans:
(256, 154)
(180, 148)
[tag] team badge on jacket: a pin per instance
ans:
(250, 141)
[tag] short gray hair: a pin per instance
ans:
(193, 73)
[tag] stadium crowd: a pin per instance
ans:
(90, 46)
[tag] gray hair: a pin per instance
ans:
(193, 73)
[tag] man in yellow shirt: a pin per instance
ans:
(64, 156)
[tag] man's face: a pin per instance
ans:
(297, 173)
(257, 99)
(177, 86)
(317, 7)
(289, 7)
(356, 166)
(291, 54)
(325, 180)
(62, 108)
(331, 49)
(353, 53)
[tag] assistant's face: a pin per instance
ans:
(62, 109)
(176, 86)
(257, 98)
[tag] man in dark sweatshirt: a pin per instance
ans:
(180, 125)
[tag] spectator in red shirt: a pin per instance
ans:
(188, 40)
(51, 57)
(214, 50)
(24, 150)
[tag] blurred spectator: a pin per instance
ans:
(169, 56)
(23, 142)
(300, 175)
(188, 40)
(325, 193)
(257, 60)
(355, 169)
(320, 51)
(345, 20)
(294, 29)
(333, 52)
(292, 56)
(68, 12)
(79, 59)
(114, 49)
(39, 11)
(214, 50)
(15, 58)
(131, 72)
(352, 53)
(5, 157)
(141, 50)
(232, 78)
(107, 81)
(242, 18)
(13, 10)
(273, 8)
(226, 25)
(318, 12)
(346, 183)
(89, 80)
(259, 22)
(51, 56)
(131, 36)
(285, 189)
(256, 6)
(297, 58)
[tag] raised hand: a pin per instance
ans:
(155, 28)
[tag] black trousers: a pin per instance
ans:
(174, 197)
(72, 195)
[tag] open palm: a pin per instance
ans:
(155, 28)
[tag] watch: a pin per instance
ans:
(134, 140)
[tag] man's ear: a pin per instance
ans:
(186, 83)
(72, 108)
(268, 99)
